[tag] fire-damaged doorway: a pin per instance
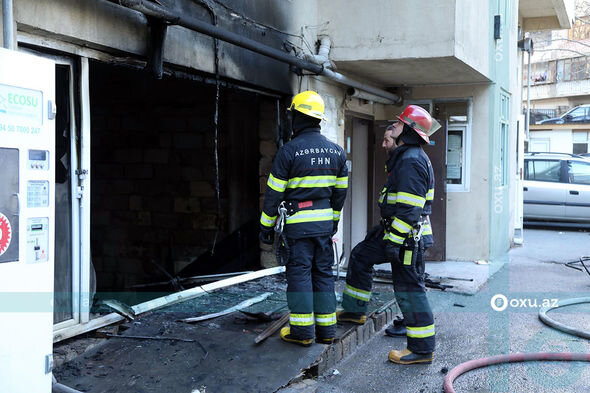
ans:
(172, 193)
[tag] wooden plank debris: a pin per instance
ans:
(272, 328)
(93, 324)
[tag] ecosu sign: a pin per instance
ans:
(20, 107)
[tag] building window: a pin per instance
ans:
(455, 155)
(573, 69)
(457, 115)
(580, 30)
(580, 140)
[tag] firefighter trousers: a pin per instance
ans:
(310, 287)
(408, 283)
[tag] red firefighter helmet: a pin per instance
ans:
(419, 120)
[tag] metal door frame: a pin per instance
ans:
(350, 116)
(79, 189)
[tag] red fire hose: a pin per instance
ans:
(512, 358)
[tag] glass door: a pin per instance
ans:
(66, 276)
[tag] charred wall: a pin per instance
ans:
(154, 196)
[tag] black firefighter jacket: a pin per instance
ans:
(309, 173)
(407, 196)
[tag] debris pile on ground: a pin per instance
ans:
(157, 352)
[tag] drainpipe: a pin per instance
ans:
(361, 95)
(323, 55)
(8, 24)
(526, 45)
(354, 90)
(528, 100)
(154, 10)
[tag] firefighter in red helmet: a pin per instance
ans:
(401, 238)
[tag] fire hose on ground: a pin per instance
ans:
(560, 326)
(511, 358)
(527, 357)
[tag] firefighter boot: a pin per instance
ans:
(357, 318)
(286, 336)
(398, 328)
(408, 357)
(396, 331)
(321, 340)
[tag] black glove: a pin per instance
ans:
(266, 237)
(392, 252)
(334, 228)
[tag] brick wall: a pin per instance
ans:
(153, 173)
(267, 133)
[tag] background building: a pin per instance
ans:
(560, 81)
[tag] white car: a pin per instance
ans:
(556, 187)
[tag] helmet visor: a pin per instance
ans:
(434, 127)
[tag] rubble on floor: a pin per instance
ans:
(217, 354)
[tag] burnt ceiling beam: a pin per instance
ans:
(154, 10)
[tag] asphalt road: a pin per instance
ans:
(533, 274)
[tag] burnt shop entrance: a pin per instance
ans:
(169, 193)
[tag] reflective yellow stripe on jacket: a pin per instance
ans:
(401, 226)
(406, 198)
(276, 183)
(382, 194)
(410, 199)
(391, 198)
(311, 216)
(342, 182)
(430, 194)
(267, 220)
(312, 181)
(393, 238)
(336, 215)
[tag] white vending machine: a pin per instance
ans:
(27, 139)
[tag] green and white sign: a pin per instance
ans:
(20, 108)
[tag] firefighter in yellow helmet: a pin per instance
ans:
(310, 178)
